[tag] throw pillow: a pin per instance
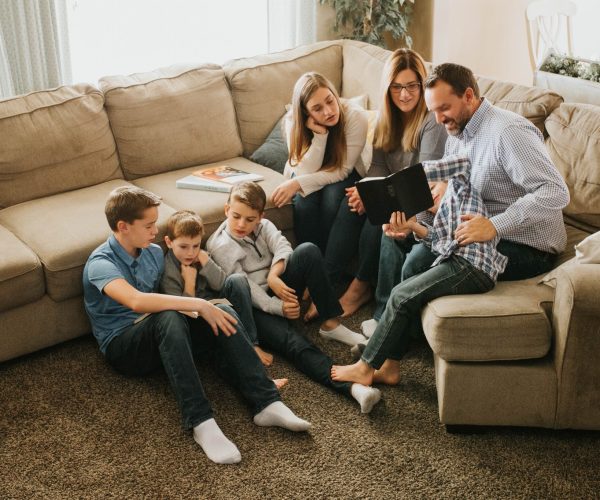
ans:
(586, 252)
(273, 153)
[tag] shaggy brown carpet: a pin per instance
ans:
(70, 427)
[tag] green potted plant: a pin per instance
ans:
(370, 20)
(577, 80)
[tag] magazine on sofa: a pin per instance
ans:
(405, 191)
(219, 178)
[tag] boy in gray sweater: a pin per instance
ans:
(190, 272)
(246, 243)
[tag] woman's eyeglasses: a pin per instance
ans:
(411, 88)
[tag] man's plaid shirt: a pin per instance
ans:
(461, 198)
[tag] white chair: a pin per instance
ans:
(545, 20)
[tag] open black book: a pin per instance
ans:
(405, 191)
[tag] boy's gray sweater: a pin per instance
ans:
(253, 256)
(210, 278)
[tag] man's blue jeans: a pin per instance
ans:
(314, 214)
(391, 338)
(164, 339)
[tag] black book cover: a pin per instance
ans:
(405, 191)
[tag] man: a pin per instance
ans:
(521, 188)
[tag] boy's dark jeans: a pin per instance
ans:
(278, 335)
(306, 269)
(164, 339)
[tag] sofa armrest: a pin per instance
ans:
(576, 324)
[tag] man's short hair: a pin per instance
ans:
(128, 203)
(458, 77)
(250, 194)
(184, 223)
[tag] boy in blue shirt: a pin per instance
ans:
(120, 279)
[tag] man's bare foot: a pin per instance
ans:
(360, 372)
(311, 313)
(280, 382)
(358, 293)
(388, 374)
(265, 357)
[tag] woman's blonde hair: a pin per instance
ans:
(301, 135)
(390, 132)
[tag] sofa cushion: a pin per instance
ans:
(210, 205)
(262, 85)
(363, 64)
(171, 118)
(574, 146)
(507, 323)
(54, 141)
(21, 274)
(533, 103)
(63, 230)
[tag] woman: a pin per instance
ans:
(325, 138)
(405, 134)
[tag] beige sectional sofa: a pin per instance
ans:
(520, 355)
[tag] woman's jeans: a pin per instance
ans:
(314, 214)
(353, 234)
(165, 339)
(391, 338)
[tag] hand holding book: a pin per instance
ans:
(404, 191)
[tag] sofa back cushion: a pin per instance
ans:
(54, 141)
(363, 64)
(171, 118)
(533, 103)
(262, 85)
(574, 146)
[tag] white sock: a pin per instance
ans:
(342, 334)
(367, 397)
(279, 415)
(215, 444)
(368, 327)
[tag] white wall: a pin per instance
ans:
(490, 36)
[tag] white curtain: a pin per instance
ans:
(34, 48)
(291, 23)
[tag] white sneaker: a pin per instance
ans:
(368, 327)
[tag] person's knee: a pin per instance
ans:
(173, 325)
(308, 251)
(236, 281)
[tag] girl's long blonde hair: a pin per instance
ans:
(390, 132)
(301, 135)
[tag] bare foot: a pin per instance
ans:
(311, 313)
(280, 382)
(358, 293)
(360, 372)
(388, 374)
(265, 357)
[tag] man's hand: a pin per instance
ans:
(474, 228)
(399, 227)
(317, 128)
(284, 292)
(291, 310)
(217, 318)
(284, 193)
(354, 201)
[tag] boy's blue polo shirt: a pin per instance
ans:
(108, 262)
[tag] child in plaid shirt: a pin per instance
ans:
(462, 266)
